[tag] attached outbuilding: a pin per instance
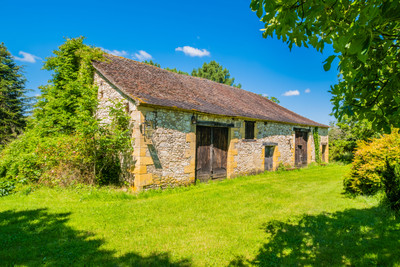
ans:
(187, 128)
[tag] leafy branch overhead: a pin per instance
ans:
(364, 36)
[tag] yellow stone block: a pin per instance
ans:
(140, 169)
(145, 161)
(233, 152)
(192, 146)
(139, 152)
(191, 137)
(189, 168)
(143, 180)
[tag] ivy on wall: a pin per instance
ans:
(316, 145)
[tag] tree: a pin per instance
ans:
(152, 63)
(168, 69)
(345, 135)
(365, 37)
(273, 99)
(13, 100)
(215, 72)
(177, 71)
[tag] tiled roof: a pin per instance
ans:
(149, 85)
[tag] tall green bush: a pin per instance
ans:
(370, 161)
(391, 182)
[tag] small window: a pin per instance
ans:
(249, 130)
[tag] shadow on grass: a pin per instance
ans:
(37, 237)
(352, 237)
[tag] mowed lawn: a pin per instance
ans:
(297, 217)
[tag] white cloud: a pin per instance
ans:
(193, 52)
(142, 55)
(26, 57)
(264, 95)
(116, 52)
(291, 93)
(307, 91)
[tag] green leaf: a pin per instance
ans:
(328, 62)
(366, 45)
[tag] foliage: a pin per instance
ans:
(215, 72)
(168, 69)
(211, 71)
(64, 142)
(14, 103)
(177, 71)
(152, 63)
(67, 104)
(273, 99)
(343, 138)
(391, 183)
(365, 38)
(284, 167)
(316, 145)
(369, 164)
(218, 222)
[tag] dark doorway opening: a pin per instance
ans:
(301, 148)
(323, 153)
(269, 158)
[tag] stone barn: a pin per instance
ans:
(187, 128)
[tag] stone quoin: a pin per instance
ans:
(188, 128)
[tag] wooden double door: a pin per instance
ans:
(301, 148)
(211, 152)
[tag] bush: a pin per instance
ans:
(370, 162)
(391, 182)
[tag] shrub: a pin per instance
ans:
(391, 182)
(369, 163)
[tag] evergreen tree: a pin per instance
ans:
(215, 72)
(13, 100)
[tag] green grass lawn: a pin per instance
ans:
(284, 218)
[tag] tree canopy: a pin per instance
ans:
(211, 71)
(365, 37)
(13, 100)
(215, 72)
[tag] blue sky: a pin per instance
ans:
(176, 34)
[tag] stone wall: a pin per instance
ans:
(323, 133)
(172, 135)
(107, 96)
